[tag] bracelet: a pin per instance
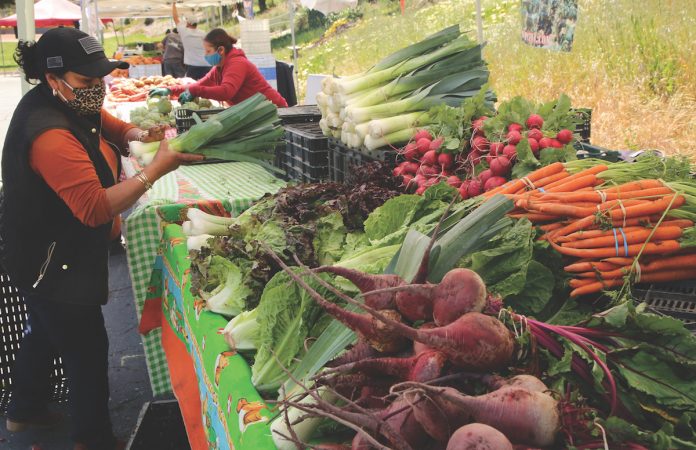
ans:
(142, 177)
(142, 135)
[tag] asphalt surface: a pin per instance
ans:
(130, 388)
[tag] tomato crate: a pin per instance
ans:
(298, 170)
(307, 135)
(299, 114)
(342, 159)
(186, 118)
(677, 299)
(13, 318)
(585, 127)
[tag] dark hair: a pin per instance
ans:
(219, 38)
(29, 59)
(168, 31)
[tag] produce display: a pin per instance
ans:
(459, 319)
(159, 111)
(384, 105)
(248, 132)
(490, 148)
(136, 89)
(479, 294)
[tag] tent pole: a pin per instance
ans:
(99, 31)
(2, 52)
(220, 11)
(479, 23)
(25, 29)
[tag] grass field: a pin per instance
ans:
(633, 63)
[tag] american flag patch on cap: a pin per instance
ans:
(54, 62)
(90, 45)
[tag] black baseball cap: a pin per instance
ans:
(76, 51)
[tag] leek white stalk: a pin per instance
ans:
(138, 149)
(194, 229)
(196, 215)
(322, 99)
(324, 127)
(198, 242)
(382, 127)
(336, 133)
(305, 428)
(147, 158)
(362, 130)
(394, 139)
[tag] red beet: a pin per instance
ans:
(429, 158)
(496, 147)
(564, 136)
(545, 143)
(464, 189)
(514, 137)
(446, 160)
(535, 133)
(493, 183)
(410, 152)
(454, 181)
(480, 143)
(485, 175)
(422, 367)
(515, 127)
(534, 121)
(367, 282)
(500, 166)
(423, 145)
(475, 188)
(510, 152)
(422, 134)
(411, 167)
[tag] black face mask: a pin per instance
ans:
(87, 101)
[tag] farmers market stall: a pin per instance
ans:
(224, 187)
(480, 281)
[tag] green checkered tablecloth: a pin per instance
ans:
(232, 186)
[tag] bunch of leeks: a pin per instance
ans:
(246, 132)
(385, 105)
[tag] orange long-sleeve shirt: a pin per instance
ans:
(59, 158)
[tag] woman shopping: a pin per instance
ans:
(59, 209)
(232, 79)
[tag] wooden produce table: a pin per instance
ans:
(224, 188)
(220, 407)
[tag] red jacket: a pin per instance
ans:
(237, 80)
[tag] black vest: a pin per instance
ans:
(43, 247)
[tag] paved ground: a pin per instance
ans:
(130, 387)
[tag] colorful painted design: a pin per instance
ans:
(234, 415)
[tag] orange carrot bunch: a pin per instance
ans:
(605, 230)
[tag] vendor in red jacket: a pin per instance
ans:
(232, 79)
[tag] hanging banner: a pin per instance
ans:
(549, 24)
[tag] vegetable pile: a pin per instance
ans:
(384, 105)
(248, 132)
(136, 89)
(476, 154)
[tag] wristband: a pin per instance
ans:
(142, 177)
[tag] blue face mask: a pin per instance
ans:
(213, 59)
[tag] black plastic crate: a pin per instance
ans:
(585, 151)
(307, 135)
(676, 299)
(299, 114)
(343, 158)
(185, 117)
(13, 317)
(584, 129)
(159, 426)
(299, 169)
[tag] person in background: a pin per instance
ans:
(173, 58)
(192, 40)
(59, 208)
(232, 79)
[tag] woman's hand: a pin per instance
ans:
(155, 133)
(167, 160)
